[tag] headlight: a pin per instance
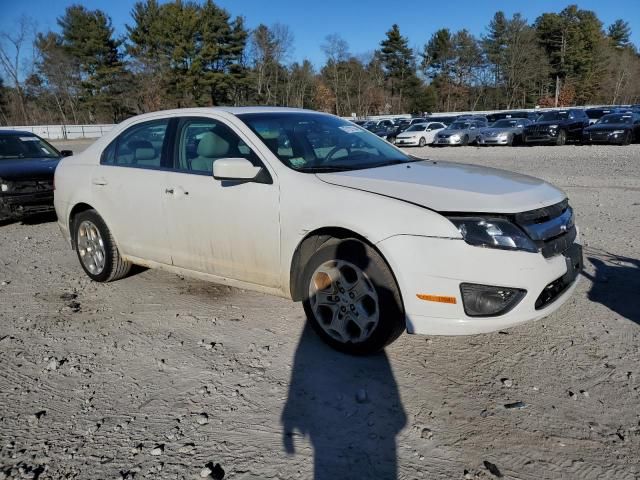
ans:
(455, 136)
(4, 187)
(617, 132)
(553, 127)
(493, 233)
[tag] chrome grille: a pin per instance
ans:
(552, 227)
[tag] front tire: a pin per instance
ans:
(465, 141)
(351, 297)
(627, 138)
(422, 142)
(562, 138)
(96, 248)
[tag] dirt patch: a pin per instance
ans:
(156, 376)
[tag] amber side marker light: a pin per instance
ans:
(436, 298)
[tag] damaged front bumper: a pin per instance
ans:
(29, 198)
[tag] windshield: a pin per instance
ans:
(616, 118)
(310, 142)
(25, 146)
(560, 115)
(459, 126)
(594, 114)
(417, 128)
(506, 123)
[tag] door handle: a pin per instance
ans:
(175, 191)
(99, 181)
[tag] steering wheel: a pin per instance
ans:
(335, 150)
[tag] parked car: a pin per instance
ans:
(620, 128)
(358, 231)
(419, 134)
(481, 120)
(556, 127)
(403, 124)
(504, 132)
(27, 164)
(460, 132)
(596, 114)
(494, 117)
(446, 120)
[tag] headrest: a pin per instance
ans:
(212, 146)
(145, 153)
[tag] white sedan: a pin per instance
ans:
(310, 207)
(419, 134)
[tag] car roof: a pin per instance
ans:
(17, 132)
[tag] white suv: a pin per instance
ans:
(310, 207)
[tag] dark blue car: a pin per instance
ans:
(27, 166)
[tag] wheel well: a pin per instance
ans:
(309, 245)
(80, 207)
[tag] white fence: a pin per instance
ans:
(64, 132)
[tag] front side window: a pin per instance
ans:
(311, 142)
(202, 141)
(139, 146)
(25, 146)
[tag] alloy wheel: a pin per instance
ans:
(344, 301)
(91, 247)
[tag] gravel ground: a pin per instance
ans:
(158, 376)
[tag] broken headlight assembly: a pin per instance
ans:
(493, 233)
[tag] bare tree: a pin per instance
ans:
(12, 46)
(336, 49)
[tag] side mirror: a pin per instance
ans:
(66, 153)
(235, 169)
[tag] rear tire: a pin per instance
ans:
(351, 297)
(96, 248)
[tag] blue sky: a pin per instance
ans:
(361, 23)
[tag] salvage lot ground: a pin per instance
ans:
(156, 376)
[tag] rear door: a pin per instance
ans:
(229, 229)
(127, 190)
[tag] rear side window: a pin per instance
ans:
(139, 146)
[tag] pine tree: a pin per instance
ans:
(619, 33)
(399, 64)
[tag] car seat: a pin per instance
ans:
(211, 147)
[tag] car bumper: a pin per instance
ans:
(407, 142)
(436, 266)
(608, 138)
(447, 141)
(493, 141)
(540, 138)
(23, 205)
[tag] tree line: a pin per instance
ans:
(186, 54)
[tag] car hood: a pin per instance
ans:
(448, 131)
(498, 130)
(409, 134)
(547, 122)
(452, 187)
(608, 126)
(23, 168)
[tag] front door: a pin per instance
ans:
(229, 229)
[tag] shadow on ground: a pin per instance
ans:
(615, 283)
(348, 407)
